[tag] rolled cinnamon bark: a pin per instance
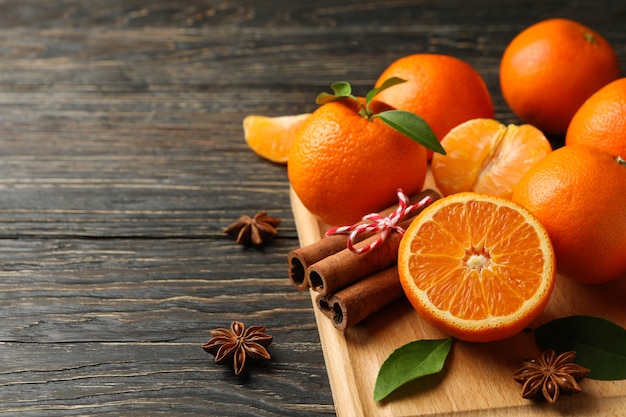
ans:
(357, 302)
(337, 271)
(300, 259)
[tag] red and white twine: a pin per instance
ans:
(376, 223)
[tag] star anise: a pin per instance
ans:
(550, 375)
(256, 230)
(238, 344)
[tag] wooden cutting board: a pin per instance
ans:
(477, 380)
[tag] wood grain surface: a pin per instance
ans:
(122, 158)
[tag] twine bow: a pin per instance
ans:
(376, 223)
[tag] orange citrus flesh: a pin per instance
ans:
(485, 156)
(271, 137)
(478, 267)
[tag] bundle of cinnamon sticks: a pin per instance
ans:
(352, 286)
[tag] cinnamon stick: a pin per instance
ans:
(337, 271)
(357, 302)
(300, 259)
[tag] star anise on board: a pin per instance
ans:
(550, 375)
(238, 344)
(256, 230)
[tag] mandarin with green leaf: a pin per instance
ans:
(352, 154)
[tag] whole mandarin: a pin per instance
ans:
(579, 194)
(443, 90)
(550, 68)
(601, 120)
(343, 166)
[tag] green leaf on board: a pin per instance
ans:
(599, 343)
(409, 362)
(413, 126)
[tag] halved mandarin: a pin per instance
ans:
(271, 137)
(486, 156)
(478, 267)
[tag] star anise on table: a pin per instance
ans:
(256, 230)
(550, 375)
(238, 344)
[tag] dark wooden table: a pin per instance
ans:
(122, 158)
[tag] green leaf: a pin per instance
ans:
(412, 126)
(385, 85)
(409, 362)
(323, 98)
(341, 88)
(600, 344)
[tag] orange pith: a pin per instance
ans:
(478, 267)
(484, 155)
(271, 137)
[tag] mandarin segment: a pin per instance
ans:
(517, 282)
(423, 264)
(433, 234)
(479, 231)
(501, 296)
(524, 260)
(486, 156)
(438, 275)
(519, 148)
(271, 137)
(513, 233)
(491, 286)
(454, 224)
(443, 242)
(467, 146)
(471, 303)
